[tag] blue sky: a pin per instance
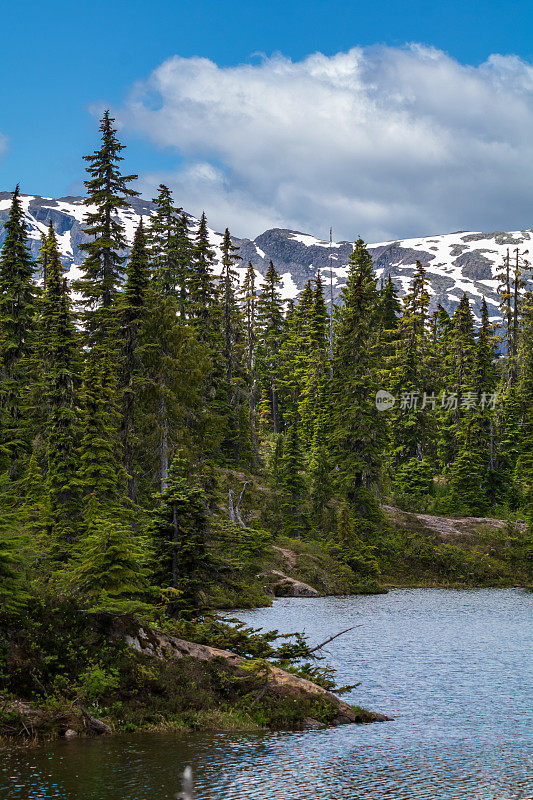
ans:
(63, 60)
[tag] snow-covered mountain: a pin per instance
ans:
(456, 262)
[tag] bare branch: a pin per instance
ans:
(320, 646)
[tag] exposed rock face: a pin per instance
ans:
(445, 527)
(285, 586)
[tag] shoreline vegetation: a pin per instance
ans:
(216, 674)
(175, 441)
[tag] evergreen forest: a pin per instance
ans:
(162, 423)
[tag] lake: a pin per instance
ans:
(452, 667)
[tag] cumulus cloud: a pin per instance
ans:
(385, 142)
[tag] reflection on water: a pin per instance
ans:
(453, 668)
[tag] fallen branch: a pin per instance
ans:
(327, 641)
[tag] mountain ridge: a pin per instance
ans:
(455, 262)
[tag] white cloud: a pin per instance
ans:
(386, 142)
(3, 144)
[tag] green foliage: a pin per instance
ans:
(12, 593)
(123, 430)
(357, 433)
(108, 191)
(112, 561)
(179, 531)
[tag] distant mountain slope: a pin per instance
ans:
(456, 262)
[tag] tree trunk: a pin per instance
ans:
(163, 444)
(175, 540)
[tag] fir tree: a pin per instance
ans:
(524, 466)
(171, 249)
(232, 321)
(133, 312)
(17, 316)
(203, 294)
(485, 354)
(108, 192)
(112, 563)
(250, 305)
(358, 430)
(390, 307)
(465, 479)
(99, 476)
(12, 594)
(179, 528)
(270, 328)
(462, 347)
(413, 376)
(60, 341)
(292, 483)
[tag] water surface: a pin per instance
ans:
(452, 667)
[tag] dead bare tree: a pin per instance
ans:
(234, 508)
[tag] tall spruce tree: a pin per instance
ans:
(269, 338)
(292, 483)
(100, 476)
(233, 333)
(108, 192)
(524, 466)
(358, 432)
(204, 306)
(171, 250)
(17, 316)
(133, 312)
(62, 377)
(179, 529)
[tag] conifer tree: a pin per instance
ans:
(112, 562)
(12, 593)
(17, 315)
(390, 307)
(250, 305)
(107, 193)
(179, 528)
(358, 430)
(485, 354)
(320, 489)
(99, 476)
(345, 526)
(314, 393)
(133, 312)
(524, 466)
(62, 354)
(465, 481)
(292, 483)
(250, 323)
(171, 391)
(510, 291)
(203, 293)
(171, 249)
(42, 259)
(413, 377)
(462, 347)
(270, 327)
(233, 334)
